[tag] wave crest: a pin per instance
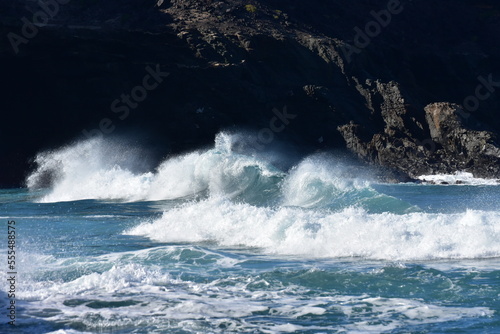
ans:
(98, 169)
(351, 232)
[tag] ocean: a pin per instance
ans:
(228, 240)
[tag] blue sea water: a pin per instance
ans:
(224, 241)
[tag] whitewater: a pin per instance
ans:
(227, 239)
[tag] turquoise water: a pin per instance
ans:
(217, 241)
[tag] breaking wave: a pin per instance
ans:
(351, 232)
(97, 169)
(320, 207)
(87, 170)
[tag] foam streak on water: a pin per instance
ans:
(161, 288)
(220, 240)
(458, 178)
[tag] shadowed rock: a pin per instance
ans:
(237, 66)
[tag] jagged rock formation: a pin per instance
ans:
(234, 63)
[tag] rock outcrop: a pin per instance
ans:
(230, 64)
(458, 146)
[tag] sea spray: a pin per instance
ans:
(101, 169)
(321, 181)
(324, 233)
(94, 168)
(458, 178)
(97, 169)
(314, 248)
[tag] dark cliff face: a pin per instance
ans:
(416, 91)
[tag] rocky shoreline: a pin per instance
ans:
(411, 88)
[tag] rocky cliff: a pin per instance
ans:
(411, 86)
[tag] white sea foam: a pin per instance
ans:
(90, 169)
(458, 178)
(87, 170)
(128, 295)
(96, 169)
(322, 233)
(413, 311)
(317, 181)
(319, 212)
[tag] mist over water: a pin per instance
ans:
(320, 207)
(238, 238)
(94, 168)
(100, 169)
